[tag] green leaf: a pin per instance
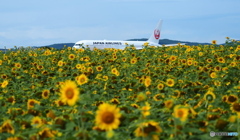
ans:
(70, 125)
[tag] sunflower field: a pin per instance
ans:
(177, 92)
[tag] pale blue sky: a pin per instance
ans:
(45, 22)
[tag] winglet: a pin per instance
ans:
(156, 33)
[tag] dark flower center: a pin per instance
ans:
(232, 99)
(150, 128)
(31, 103)
(108, 117)
(180, 113)
(69, 93)
(82, 80)
(45, 94)
(236, 107)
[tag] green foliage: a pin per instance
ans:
(26, 73)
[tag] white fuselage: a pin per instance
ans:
(101, 44)
(118, 44)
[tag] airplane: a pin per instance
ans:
(101, 44)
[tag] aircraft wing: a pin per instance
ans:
(174, 44)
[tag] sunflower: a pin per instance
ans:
(4, 84)
(69, 92)
(114, 57)
(189, 62)
(195, 63)
(209, 96)
(217, 68)
(157, 97)
(45, 93)
(160, 86)
(90, 70)
(68, 48)
(14, 138)
(147, 81)
(235, 107)
(31, 103)
(105, 78)
(141, 97)
(35, 55)
(231, 99)
(59, 102)
(141, 80)
(168, 103)
(40, 67)
(18, 65)
(181, 112)
(146, 128)
(224, 98)
(115, 101)
(124, 59)
(148, 93)
(60, 63)
(115, 72)
(87, 58)
(133, 61)
(147, 65)
(238, 46)
(209, 60)
(214, 42)
(80, 50)
(176, 94)
(225, 68)
(217, 83)
(173, 58)
(200, 53)
(233, 64)
(47, 52)
(71, 56)
(82, 79)
(183, 61)
(83, 68)
(145, 109)
(98, 76)
(221, 60)
(107, 117)
(51, 114)
(78, 66)
(232, 118)
(36, 122)
(60, 70)
(135, 106)
(5, 57)
(99, 68)
(11, 99)
(145, 44)
(46, 133)
(167, 61)
(7, 127)
(213, 75)
(13, 69)
(44, 72)
(133, 54)
(170, 82)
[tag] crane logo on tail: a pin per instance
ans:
(156, 33)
